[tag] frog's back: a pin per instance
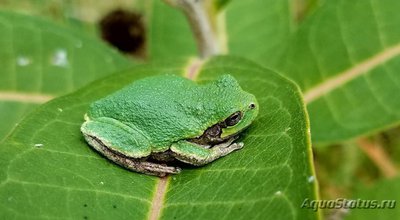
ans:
(162, 106)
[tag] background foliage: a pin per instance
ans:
(342, 54)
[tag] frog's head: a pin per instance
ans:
(233, 110)
(241, 109)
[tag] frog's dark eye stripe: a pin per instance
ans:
(233, 119)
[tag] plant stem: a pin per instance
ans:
(375, 152)
(200, 15)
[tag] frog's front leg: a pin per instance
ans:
(199, 155)
(123, 145)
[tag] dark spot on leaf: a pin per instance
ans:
(114, 206)
(124, 30)
(85, 217)
(84, 205)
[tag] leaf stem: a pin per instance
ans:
(380, 158)
(200, 14)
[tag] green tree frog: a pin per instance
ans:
(159, 119)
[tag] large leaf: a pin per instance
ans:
(345, 58)
(40, 60)
(48, 171)
(169, 33)
(259, 29)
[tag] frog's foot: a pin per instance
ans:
(227, 147)
(198, 155)
(149, 168)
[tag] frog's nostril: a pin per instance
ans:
(252, 106)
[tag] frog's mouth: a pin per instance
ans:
(212, 136)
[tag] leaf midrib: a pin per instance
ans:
(191, 71)
(347, 75)
(25, 97)
(158, 199)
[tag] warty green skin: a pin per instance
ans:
(160, 114)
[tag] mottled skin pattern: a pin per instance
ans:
(169, 117)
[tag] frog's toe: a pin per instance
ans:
(232, 147)
(236, 146)
(156, 169)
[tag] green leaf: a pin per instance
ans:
(48, 171)
(169, 34)
(345, 59)
(40, 60)
(259, 29)
(380, 191)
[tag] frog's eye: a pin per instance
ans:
(233, 119)
(252, 106)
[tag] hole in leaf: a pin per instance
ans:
(124, 30)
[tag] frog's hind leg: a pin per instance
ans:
(123, 145)
(198, 155)
(133, 164)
